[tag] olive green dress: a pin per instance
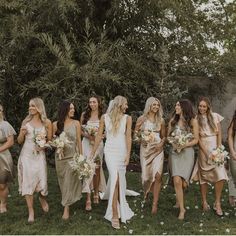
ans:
(70, 184)
(6, 162)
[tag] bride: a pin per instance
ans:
(117, 154)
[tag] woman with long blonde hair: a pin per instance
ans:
(6, 163)
(117, 154)
(151, 152)
(32, 166)
(210, 138)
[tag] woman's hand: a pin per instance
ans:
(24, 130)
(233, 155)
(127, 159)
(159, 147)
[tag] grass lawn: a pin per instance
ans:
(81, 222)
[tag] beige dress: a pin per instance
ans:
(87, 148)
(6, 162)
(181, 164)
(32, 166)
(203, 171)
(69, 183)
(151, 160)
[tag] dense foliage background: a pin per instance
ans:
(70, 49)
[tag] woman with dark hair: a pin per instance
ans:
(210, 138)
(232, 161)
(90, 121)
(6, 163)
(69, 183)
(183, 122)
(32, 165)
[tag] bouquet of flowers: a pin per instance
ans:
(90, 130)
(146, 135)
(218, 156)
(59, 142)
(83, 167)
(40, 141)
(179, 138)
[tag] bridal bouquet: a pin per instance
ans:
(90, 130)
(218, 156)
(60, 142)
(40, 141)
(179, 138)
(146, 135)
(83, 167)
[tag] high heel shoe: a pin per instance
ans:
(115, 223)
(88, 206)
(95, 199)
(218, 210)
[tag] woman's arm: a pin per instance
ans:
(219, 135)
(99, 136)
(79, 143)
(49, 129)
(195, 139)
(8, 143)
(23, 132)
(128, 135)
(231, 141)
(54, 128)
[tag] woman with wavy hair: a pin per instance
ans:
(90, 120)
(181, 157)
(32, 166)
(232, 161)
(6, 163)
(117, 154)
(210, 138)
(151, 153)
(69, 183)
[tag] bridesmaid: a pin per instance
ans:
(232, 161)
(6, 163)
(32, 166)
(151, 154)
(69, 183)
(91, 118)
(209, 138)
(117, 154)
(182, 161)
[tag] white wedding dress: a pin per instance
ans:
(115, 152)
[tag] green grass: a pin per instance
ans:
(81, 222)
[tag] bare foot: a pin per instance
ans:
(44, 204)
(66, 213)
(31, 217)
(3, 207)
(181, 215)
(205, 206)
(154, 208)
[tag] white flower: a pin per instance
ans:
(131, 231)
(161, 223)
(187, 207)
(196, 207)
(142, 216)
(227, 230)
(226, 213)
(201, 225)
